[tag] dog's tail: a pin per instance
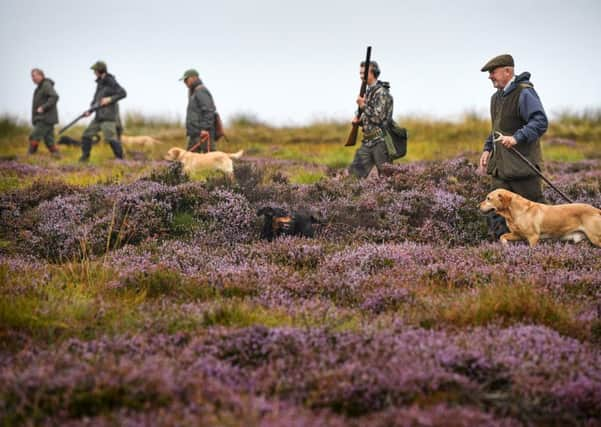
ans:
(236, 155)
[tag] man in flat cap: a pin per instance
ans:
(200, 114)
(108, 93)
(44, 114)
(518, 115)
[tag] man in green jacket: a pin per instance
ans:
(200, 114)
(108, 93)
(518, 121)
(44, 114)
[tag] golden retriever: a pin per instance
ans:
(533, 221)
(217, 160)
(140, 140)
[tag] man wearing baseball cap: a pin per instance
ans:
(108, 93)
(200, 114)
(519, 121)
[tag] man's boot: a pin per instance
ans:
(86, 147)
(33, 147)
(496, 225)
(54, 151)
(117, 149)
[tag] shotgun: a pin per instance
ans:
(352, 138)
(93, 108)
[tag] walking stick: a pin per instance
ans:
(497, 137)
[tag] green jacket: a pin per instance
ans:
(108, 87)
(507, 119)
(200, 114)
(46, 97)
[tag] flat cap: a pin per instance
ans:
(189, 73)
(505, 60)
(99, 66)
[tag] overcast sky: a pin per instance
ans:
(296, 62)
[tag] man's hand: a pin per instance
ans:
(204, 135)
(105, 101)
(508, 141)
(356, 120)
(483, 162)
(361, 102)
(40, 110)
(86, 113)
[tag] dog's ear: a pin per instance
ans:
(505, 200)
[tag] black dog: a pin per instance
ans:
(279, 222)
(496, 226)
(72, 142)
(67, 140)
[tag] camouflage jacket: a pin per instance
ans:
(378, 110)
(46, 97)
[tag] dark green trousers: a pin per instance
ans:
(108, 129)
(43, 132)
(368, 156)
(530, 188)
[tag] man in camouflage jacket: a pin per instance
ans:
(44, 114)
(376, 107)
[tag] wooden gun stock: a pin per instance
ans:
(352, 138)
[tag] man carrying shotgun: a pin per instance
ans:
(518, 123)
(375, 110)
(108, 93)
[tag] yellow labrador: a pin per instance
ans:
(139, 140)
(216, 160)
(534, 221)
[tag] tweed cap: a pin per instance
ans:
(189, 73)
(99, 66)
(505, 60)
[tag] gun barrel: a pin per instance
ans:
(366, 72)
(71, 124)
(93, 108)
